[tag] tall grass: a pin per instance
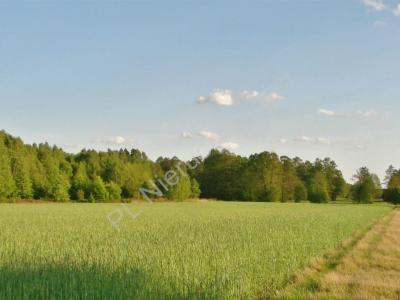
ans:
(172, 251)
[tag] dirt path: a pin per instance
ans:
(369, 270)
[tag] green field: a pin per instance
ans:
(210, 250)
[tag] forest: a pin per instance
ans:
(41, 171)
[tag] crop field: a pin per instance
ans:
(209, 250)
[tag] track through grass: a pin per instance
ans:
(369, 270)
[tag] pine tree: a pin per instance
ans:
(7, 184)
(22, 179)
(60, 187)
(98, 190)
(80, 183)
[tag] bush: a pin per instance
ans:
(80, 195)
(319, 196)
(272, 195)
(300, 193)
(363, 192)
(180, 191)
(99, 191)
(195, 188)
(392, 195)
(114, 191)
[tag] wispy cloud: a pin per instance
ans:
(326, 112)
(225, 97)
(396, 11)
(74, 146)
(377, 5)
(283, 140)
(379, 23)
(262, 96)
(313, 140)
(116, 140)
(230, 146)
(187, 135)
(359, 147)
(209, 135)
(250, 94)
(359, 113)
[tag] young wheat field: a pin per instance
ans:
(199, 250)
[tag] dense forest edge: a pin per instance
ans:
(41, 171)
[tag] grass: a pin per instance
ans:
(211, 250)
(369, 270)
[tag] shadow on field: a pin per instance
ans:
(90, 283)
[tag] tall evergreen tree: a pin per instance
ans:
(7, 184)
(98, 190)
(80, 183)
(22, 179)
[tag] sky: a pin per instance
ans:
(301, 78)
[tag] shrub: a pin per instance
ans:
(114, 191)
(300, 193)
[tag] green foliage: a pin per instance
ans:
(318, 188)
(113, 191)
(59, 188)
(98, 190)
(80, 195)
(80, 182)
(290, 180)
(392, 195)
(7, 184)
(48, 172)
(91, 198)
(195, 188)
(365, 188)
(300, 193)
(22, 179)
(220, 176)
(180, 191)
(392, 180)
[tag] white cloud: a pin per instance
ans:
(226, 97)
(283, 140)
(187, 135)
(119, 140)
(359, 113)
(365, 114)
(305, 139)
(323, 140)
(116, 140)
(209, 135)
(75, 146)
(396, 11)
(375, 4)
(326, 112)
(379, 24)
(359, 147)
(275, 96)
(230, 146)
(313, 140)
(249, 94)
(219, 97)
(267, 97)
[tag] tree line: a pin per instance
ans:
(41, 171)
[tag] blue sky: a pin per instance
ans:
(302, 78)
